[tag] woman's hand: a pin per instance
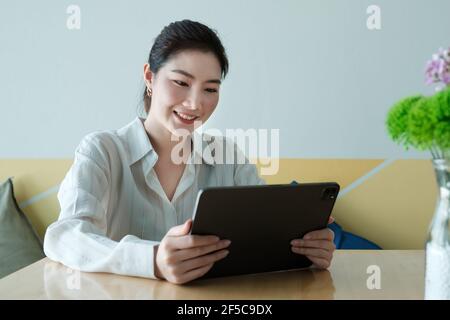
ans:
(182, 257)
(317, 246)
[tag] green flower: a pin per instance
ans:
(421, 124)
(442, 134)
(397, 120)
(440, 112)
(440, 105)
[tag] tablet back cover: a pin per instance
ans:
(261, 221)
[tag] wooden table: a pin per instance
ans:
(351, 276)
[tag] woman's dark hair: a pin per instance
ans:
(179, 36)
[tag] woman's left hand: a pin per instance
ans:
(317, 246)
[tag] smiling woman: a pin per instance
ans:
(126, 205)
(185, 89)
(182, 36)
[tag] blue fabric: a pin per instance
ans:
(347, 240)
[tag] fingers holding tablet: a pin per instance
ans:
(317, 246)
(202, 261)
(194, 252)
(182, 257)
(322, 234)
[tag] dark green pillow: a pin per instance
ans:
(19, 243)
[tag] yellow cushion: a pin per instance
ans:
(388, 202)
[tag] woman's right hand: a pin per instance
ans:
(182, 257)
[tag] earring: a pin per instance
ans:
(149, 92)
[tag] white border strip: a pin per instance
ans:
(344, 192)
(39, 197)
(362, 179)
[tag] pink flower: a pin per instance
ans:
(438, 69)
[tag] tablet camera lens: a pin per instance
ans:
(329, 193)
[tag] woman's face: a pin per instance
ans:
(185, 91)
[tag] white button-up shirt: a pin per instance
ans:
(113, 208)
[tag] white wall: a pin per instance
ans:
(308, 67)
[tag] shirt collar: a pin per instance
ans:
(136, 140)
(138, 143)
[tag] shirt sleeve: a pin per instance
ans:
(78, 239)
(245, 172)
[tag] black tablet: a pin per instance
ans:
(261, 221)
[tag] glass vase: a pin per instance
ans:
(437, 260)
